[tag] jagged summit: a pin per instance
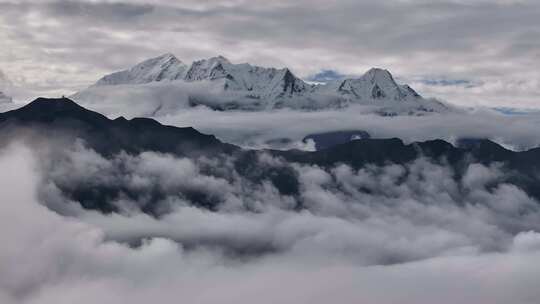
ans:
(208, 69)
(376, 84)
(164, 67)
(259, 81)
(378, 74)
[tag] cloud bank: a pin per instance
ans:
(168, 102)
(361, 236)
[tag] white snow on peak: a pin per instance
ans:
(377, 74)
(375, 85)
(257, 82)
(164, 67)
(208, 69)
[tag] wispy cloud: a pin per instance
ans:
(486, 42)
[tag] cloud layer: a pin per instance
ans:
(168, 102)
(361, 238)
(492, 44)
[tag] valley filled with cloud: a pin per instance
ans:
(239, 151)
(425, 238)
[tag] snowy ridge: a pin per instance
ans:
(376, 84)
(165, 67)
(229, 86)
(260, 82)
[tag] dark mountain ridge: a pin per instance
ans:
(48, 116)
(51, 118)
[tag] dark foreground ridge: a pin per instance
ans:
(45, 120)
(49, 116)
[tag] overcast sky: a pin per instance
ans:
(467, 52)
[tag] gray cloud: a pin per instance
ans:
(168, 102)
(346, 211)
(484, 250)
(100, 12)
(72, 43)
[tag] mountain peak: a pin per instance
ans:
(62, 102)
(163, 67)
(377, 75)
(208, 69)
(54, 106)
(377, 86)
(219, 58)
(166, 56)
(212, 61)
(51, 109)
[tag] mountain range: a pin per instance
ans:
(65, 123)
(222, 85)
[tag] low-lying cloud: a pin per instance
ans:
(260, 129)
(169, 103)
(360, 237)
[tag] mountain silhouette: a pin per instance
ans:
(51, 119)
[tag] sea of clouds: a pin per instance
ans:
(407, 234)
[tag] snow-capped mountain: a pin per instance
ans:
(377, 87)
(219, 84)
(165, 67)
(376, 84)
(258, 81)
